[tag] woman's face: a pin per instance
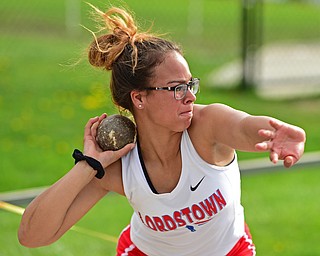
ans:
(161, 106)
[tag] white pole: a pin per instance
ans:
(73, 17)
(195, 19)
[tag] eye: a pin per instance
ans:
(180, 88)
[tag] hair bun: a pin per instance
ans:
(99, 52)
(105, 49)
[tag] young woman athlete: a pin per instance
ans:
(181, 177)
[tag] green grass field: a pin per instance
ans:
(45, 101)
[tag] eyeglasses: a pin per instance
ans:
(180, 90)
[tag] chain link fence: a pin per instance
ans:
(280, 49)
(209, 31)
(268, 45)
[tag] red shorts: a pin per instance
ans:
(125, 246)
(244, 247)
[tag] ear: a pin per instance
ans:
(138, 98)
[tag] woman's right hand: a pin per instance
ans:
(92, 149)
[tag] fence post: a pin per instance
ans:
(251, 34)
(73, 17)
(195, 19)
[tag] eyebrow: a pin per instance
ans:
(179, 81)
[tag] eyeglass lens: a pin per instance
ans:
(181, 90)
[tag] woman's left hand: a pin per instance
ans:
(285, 142)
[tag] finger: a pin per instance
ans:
(289, 161)
(103, 116)
(267, 134)
(121, 152)
(276, 124)
(274, 157)
(87, 128)
(94, 127)
(264, 146)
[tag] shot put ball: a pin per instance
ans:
(114, 132)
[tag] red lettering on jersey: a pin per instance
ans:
(159, 223)
(141, 217)
(219, 199)
(209, 206)
(150, 223)
(186, 212)
(197, 212)
(169, 221)
(178, 218)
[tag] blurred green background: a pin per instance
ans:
(48, 92)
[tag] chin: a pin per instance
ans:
(182, 127)
(187, 124)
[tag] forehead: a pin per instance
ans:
(173, 68)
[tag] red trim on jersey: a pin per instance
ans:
(125, 246)
(244, 246)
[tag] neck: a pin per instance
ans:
(163, 148)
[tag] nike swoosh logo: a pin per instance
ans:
(196, 186)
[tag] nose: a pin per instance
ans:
(190, 97)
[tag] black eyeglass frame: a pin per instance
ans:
(190, 85)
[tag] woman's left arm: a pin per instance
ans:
(241, 131)
(284, 141)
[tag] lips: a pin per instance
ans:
(188, 113)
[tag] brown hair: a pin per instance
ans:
(131, 56)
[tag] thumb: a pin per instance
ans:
(289, 161)
(121, 152)
(125, 150)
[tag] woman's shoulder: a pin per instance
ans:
(213, 108)
(206, 114)
(204, 119)
(203, 131)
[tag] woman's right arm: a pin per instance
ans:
(58, 208)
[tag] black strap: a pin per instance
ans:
(153, 189)
(95, 164)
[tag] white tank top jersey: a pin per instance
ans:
(201, 216)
